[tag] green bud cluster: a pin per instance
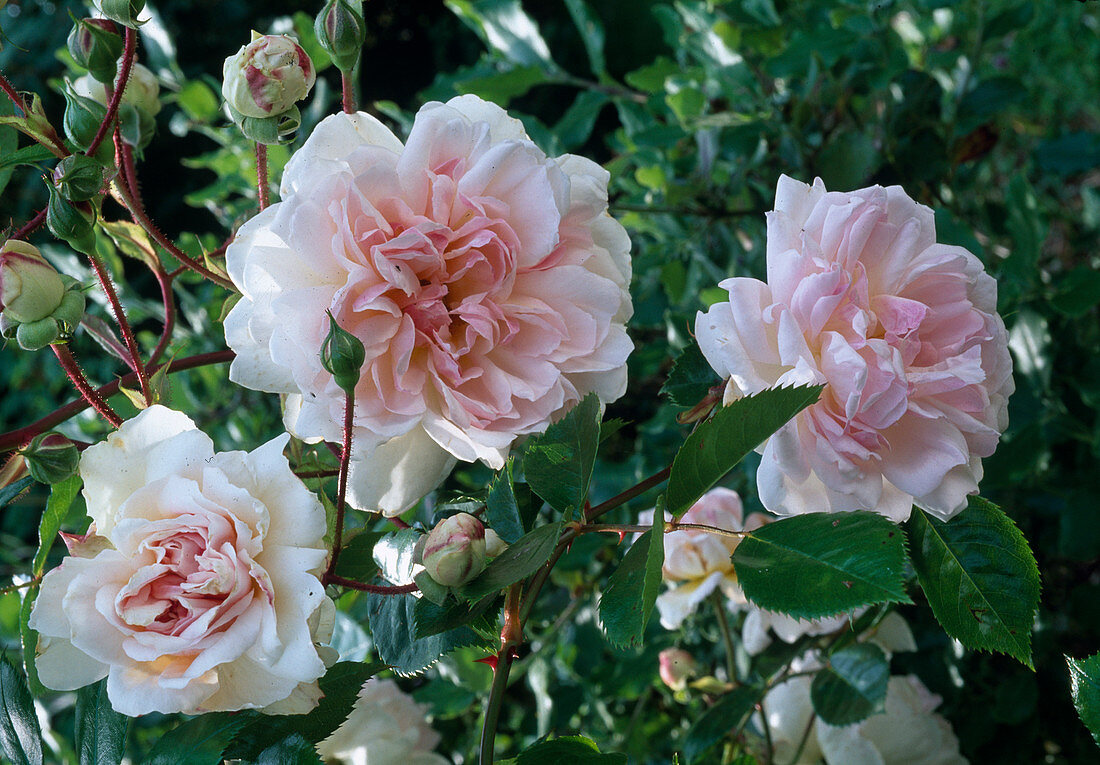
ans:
(72, 223)
(96, 45)
(79, 178)
(51, 458)
(40, 306)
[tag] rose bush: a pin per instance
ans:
(905, 335)
(486, 280)
(200, 589)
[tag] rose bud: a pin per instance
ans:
(125, 12)
(83, 116)
(676, 667)
(142, 90)
(96, 45)
(341, 31)
(342, 356)
(494, 545)
(51, 458)
(74, 224)
(30, 288)
(79, 177)
(454, 552)
(267, 77)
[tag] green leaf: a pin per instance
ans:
(722, 441)
(567, 749)
(592, 34)
(20, 735)
(197, 99)
(729, 713)
(393, 627)
(57, 507)
(28, 155)
(691, 378)
(847, 160)
(293, 750)
(558, 463)
(980, 577)
(198, 741)
(632, 591)
(357, 558)
(9, 143)
(852, 686)
(434, 619)
(10, 493)
(502, 87)
(100, 730)
(575, 126)
(340, 686)
(522, 558)
(1084, 684)
(505, 28)
(1078, 291)
(394, 555)
(501, 507)
(820, 564)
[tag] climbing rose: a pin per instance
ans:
(902, 331)
(487, 282)
(201, 590)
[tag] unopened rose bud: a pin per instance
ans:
(494, 545)
(676, 667)
(83, 116)
(267, 77)
(454, 551)
(341, 31)
(51, 458)
(73, 223)
(125, 12)
(30, 288)
(79, 177)
(342, 356)
(96, 45)
(142, 90)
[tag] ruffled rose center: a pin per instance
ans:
(198, 577)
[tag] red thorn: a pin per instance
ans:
(491, 661)
(622, 536)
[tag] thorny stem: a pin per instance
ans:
(13, 94)
(668, 528)
(342, 485)
(129, 171)
(347, 92)
(31, 225)
(376, 589)
(623, 497)
(16, 438)
(510, 637)
(165, 283)
(130, 43)
(261, 175)
(80, 382)
(123, 325)
(308, 474)
(727, 636)
(21, 586)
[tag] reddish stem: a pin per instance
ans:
(351, 584)
(165, 283)
(261, 174)
(16, 438)
(342, 485)
(348, 93)
(80, 382)
(130, 46)
(130, 172)
(123, 325)
(31, 225)
(13, 94)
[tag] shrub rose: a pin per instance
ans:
(268, 76)
(487, 282)
(203, 593)
(903, 331)
(385, 726)
(698, 562)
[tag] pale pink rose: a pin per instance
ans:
(203, 592)
(675, 666)
(905, 335)
(698, 562)
(486, 280)
(892, 634)
(385, 727)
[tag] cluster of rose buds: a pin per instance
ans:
(40, 306)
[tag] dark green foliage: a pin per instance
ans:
(20, 734)
(852, 686)
(558, 464)
(631, 591)
(100, 730)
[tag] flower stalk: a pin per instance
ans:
(80, 382)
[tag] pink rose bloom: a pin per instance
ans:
(697, 562)
(487, 282)
(905, 335)
(675, 667)
(202, 593)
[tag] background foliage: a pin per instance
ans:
(985, 111)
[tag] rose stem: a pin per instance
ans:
(129, 170)
(342, 482)
(165, 282)
(351, 584)
(727, 636)
(510, 637)
(80, 382)
(137, 212)
(120, 86)
(348, 93)
(12, 94)
(261, 174)
(16, 438)
(31, 225)
(123, 325)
